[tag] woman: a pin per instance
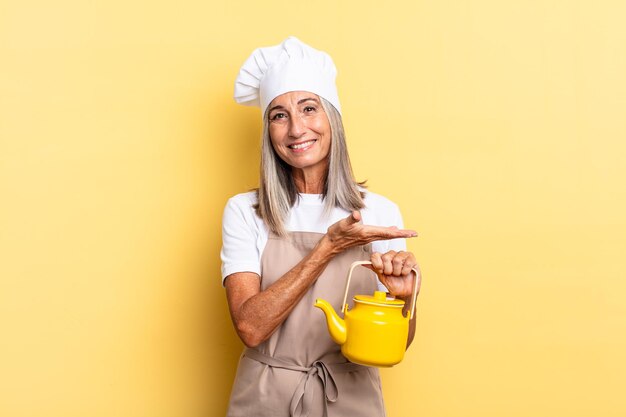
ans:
(293, 240)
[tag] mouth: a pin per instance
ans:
(302, 146)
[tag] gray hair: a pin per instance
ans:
(277, 192)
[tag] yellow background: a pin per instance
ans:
(497, 126)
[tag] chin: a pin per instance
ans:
(303, 164)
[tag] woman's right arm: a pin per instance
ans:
(256, 314)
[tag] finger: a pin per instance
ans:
(377, 262)
(353, 218)
(407, 267)
(385, 233)
(346, 224)
(398, 263)
(387, 262)
(409, 263)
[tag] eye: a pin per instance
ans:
(278, 116)
(309, 109)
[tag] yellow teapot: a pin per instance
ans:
(374, 332)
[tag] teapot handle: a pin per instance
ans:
(417, 282)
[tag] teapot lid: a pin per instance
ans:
(380, 299)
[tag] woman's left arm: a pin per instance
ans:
(395, 271)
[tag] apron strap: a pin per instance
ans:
(303, 395)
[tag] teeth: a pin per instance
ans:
(302, 145)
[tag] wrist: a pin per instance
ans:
(328, 246)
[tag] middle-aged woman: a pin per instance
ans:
(294, 239)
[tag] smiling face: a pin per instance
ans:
(300, 131)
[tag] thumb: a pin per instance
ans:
(354, 217)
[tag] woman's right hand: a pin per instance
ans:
(350, 232)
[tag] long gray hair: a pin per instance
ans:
(277, 192)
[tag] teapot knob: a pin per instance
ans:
(380, 295)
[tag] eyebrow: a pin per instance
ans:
(299, 102)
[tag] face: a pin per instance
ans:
(300, 130)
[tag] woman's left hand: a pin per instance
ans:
(394, 269)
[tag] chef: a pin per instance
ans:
(293, 239)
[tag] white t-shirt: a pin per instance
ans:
(244, 234)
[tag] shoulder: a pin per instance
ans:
(240, 208)
(243, 236)
(243, 200)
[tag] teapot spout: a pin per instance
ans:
(336, 325)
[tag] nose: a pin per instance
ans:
(297, 127)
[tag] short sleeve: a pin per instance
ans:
(239, 235)
(397, 244)
(388, 214)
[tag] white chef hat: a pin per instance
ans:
(290, 66)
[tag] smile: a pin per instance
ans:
(303, 145)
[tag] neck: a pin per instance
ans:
(309, 181)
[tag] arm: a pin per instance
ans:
(256, 314)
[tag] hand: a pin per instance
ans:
(349, 232)
(394, 271)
